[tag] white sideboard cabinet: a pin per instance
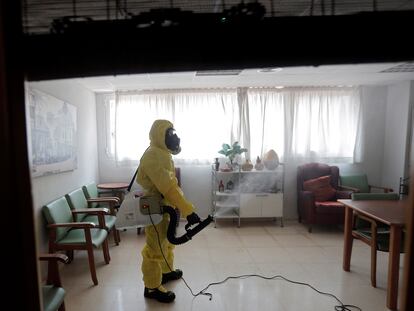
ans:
(248, 194)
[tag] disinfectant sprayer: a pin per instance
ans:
(137, 211)
(151, 205)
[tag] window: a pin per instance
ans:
(266, 121)
(324, 123)
(203, 120)
(310, 123)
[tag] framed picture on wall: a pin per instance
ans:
(52, 134)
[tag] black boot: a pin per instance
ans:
(171, 276)
(158, 295)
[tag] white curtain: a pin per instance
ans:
(324, 123)
(266, 122)
(203, 119)
(307, 123)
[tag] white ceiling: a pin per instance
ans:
(359, 74)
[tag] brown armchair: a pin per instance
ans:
(318, 190)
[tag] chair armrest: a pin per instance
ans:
(114, 200)
(92, 211)
(347, 188)
(54, 257)
(386, 189)
(53, 277)
(343, 194)
(81, 225)
(307, 195)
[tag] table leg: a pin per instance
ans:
(393, 267)
(347, 239)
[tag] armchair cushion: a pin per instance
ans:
(77, 200)
(77, 236)
(91, 191)
(356, 181)
(321, 188)
(58, 211)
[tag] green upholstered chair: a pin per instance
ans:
(77, 201)
(68, 235)
(95, 200)
(53, 293)
(359, 183)
(372, 233)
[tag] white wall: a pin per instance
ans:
(196, 180)
(48, 188)
(396, 124)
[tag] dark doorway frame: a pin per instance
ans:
(18, 62)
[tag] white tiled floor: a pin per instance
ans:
(259, 247)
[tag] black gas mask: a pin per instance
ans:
(172, 141)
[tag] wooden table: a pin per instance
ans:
(388, 212)
(117, 188)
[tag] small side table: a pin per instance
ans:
(117, 188)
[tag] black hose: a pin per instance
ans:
(172, 226)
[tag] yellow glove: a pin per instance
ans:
(176, 197)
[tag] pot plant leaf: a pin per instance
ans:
(232, 151)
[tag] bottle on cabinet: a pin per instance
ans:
(259, 165)
(221, 186)
(216, 164)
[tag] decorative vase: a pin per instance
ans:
(259, 165)
(247, 166)
(271, 160)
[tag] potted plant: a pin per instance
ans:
(231, 151)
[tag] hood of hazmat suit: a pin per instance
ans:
(156, 171)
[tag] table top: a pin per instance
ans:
(113, 185)
(390, 212)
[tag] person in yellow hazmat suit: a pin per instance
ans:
(156, 174)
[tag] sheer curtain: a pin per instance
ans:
(204, 120)
(266, 122)
(325, 123)
(305, 123)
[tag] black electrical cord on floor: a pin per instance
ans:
(340, 307)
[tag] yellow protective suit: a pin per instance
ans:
(156, 174)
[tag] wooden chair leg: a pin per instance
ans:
(70, 254)
(62, 307)
(115, 236)
(105, 249)
(310, 229)
(373, 266)
(91, 260)
(119, 235)
(374, 255)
